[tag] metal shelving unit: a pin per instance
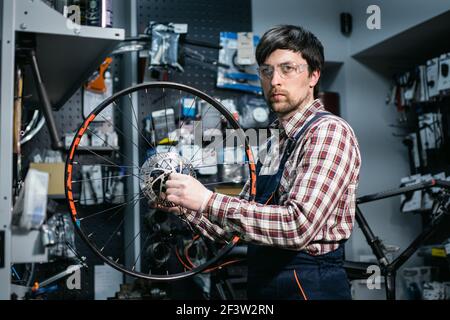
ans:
(67, 55)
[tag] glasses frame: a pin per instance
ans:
(300, 68)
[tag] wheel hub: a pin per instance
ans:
(156, 171)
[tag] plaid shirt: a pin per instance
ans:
(316, 193)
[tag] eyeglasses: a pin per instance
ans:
(287, 70)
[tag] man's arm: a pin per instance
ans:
(328, 163)
(210, 230)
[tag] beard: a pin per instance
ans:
(283, 104)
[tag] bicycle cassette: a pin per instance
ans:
(155, 172)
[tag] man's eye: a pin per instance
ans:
(266, 71)
(287, 68)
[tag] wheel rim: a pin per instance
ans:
(73, 171)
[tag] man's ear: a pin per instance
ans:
(314, 78)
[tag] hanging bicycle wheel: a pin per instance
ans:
(119, 161)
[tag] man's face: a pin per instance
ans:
(287, 92)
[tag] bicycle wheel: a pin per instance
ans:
(101, 182)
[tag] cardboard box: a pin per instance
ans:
(56, 172)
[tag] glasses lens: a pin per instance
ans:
(266, 72)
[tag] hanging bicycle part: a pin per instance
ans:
(143, 43)
(27, 55)
(161, 130)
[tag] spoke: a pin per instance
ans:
(190, 108)
(165, 114)
(125, 157)
(117, 229)
(101, 179)
(137, 123)
(219, 183)
(129, 244)
(113, 208)
(181, 109)
(104, 165)
(112, 235)
(117, 196)
(142, 250)
(131, 122)
(112, 163)
(216, 127)
(152, 127)
(222, 164)
(121, 132)
(135, 237)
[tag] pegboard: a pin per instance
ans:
(205, 19)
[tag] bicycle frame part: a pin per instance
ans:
(389, 269)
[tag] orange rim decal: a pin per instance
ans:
(70, 167)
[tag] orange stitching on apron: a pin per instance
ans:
(300, 286)
(268, 201)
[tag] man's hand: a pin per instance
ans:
(187, 192)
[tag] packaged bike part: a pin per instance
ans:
(233, 165)
(189, 108)
(30, 210)
(414, 279)
(47, 236)
(444, 73)
(241, 77)
(92, 187)
(163, 125)
(433, 291)
(245, 49)
(164, 46)
(254, 112)
(210, 117)
(433, 77)
(60, 224)
(209, 162)
(193, 153)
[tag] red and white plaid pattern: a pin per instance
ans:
(316, 192)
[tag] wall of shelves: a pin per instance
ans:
(64, 66)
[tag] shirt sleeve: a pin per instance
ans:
(328, 161)
(210, 230)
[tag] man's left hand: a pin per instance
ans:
(187, 192)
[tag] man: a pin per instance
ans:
(304, 209)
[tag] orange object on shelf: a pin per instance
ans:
(98, 84)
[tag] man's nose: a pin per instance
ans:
(276, 79)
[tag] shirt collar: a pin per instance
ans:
(298, 119)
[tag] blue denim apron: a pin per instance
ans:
(279, 274)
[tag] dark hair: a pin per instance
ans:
(293, 38)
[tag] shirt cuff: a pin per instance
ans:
(194, 217)
(216, 209)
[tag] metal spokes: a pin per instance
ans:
(118, 164)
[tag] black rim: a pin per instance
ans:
(70, 163)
